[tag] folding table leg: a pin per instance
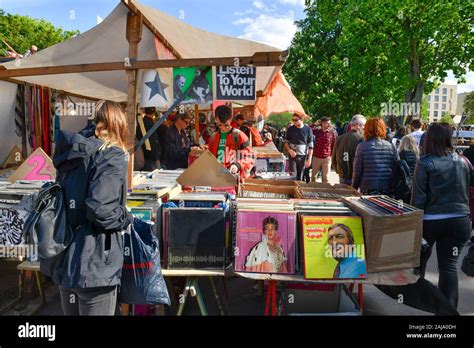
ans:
(216, 295)
(199, 298)
(182, 300)
(39, 283)
(274, 295)
(226, 295)
(361, 298)
(269, 297)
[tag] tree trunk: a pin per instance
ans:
(415, 94)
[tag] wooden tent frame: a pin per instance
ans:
(134, 29)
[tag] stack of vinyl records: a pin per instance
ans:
(383, 205)
(156, 183)
(322, 207)
(199, 199)
(196, 231)
(265, 238)
(264, 204)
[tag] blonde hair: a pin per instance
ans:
(408, 143)
(111, 124)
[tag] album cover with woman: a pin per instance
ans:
(265, 242)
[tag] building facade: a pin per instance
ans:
(442, 100)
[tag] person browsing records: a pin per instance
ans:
(299, 144)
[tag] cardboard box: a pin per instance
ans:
(288, 190)
(338, 192)
(392, 242)
(271, 182)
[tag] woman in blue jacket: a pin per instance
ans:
(374, 160)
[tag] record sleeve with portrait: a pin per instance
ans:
(265, 242)
(333, 247)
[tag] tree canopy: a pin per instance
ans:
(20, 32)
(351, 56)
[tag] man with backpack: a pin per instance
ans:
(230, 145)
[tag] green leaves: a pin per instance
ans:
(376, 51)
(21, 32)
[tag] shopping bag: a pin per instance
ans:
(142, 279)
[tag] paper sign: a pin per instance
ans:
(207, 171)
(38, 166)
(14, 158)
(235, 82)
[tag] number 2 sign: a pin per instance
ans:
(38, 166)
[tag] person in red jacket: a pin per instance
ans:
(230, 145)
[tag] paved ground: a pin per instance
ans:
(245, 300)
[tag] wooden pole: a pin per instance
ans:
(133, 34)
(196, 121)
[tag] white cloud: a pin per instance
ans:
(276, 31)
(293, 2)
(258, 4)
(241, 13)
(462, 87)
(242, 21)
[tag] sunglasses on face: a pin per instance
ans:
(296, 119)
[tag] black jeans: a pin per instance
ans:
(450, 236)
(297, 166)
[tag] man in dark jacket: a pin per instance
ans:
(94, 183)
(177, 144)
(151, 147)
(345, 148)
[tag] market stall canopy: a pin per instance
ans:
(278, 99)
(163, 37)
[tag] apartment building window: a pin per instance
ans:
(437, 91)
(444, 98)
(435, 113)
(436, 106)
(445, 91)
(429, 98)
(443, 106)
(436, 98)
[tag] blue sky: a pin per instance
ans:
(268, 21)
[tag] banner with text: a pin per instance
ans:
(235, 83)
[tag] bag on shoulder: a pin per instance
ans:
(46, 226)
(400, 181)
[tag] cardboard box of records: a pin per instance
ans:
(267, 191)
(325, 191)
(392, 232)
(271, 182)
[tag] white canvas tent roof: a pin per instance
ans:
(106, 42)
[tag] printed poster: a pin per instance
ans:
(182, 79)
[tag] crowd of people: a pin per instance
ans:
(417, 166)
(414, 163)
